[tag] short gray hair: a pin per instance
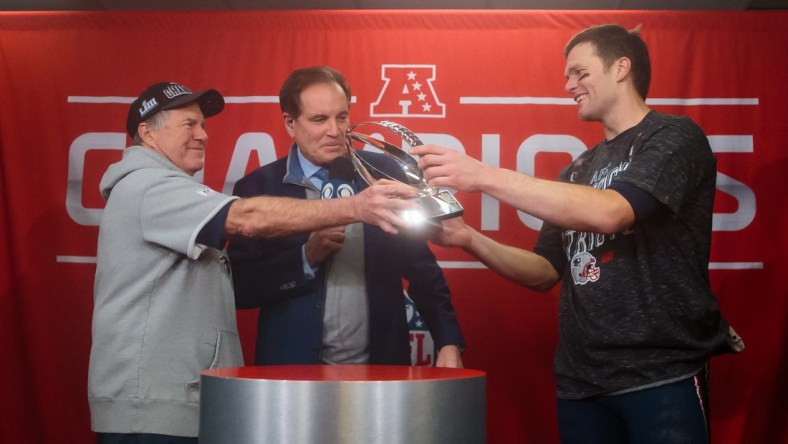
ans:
(154, 122)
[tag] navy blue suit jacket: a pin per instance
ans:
(268, 273)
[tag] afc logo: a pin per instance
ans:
(407, 92)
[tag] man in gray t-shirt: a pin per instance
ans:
(627, 231)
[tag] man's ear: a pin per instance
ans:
(623, 67)
(289, 121)
(144, 132)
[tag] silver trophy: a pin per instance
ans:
(435, 204)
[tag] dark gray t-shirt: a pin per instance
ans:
(636, 308)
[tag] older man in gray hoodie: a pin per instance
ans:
(163, 299)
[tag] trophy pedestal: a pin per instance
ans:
(342, 404)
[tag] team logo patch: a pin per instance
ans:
(407, 92)
(584, 268)
(206, 192)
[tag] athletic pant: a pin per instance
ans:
(142, 438)
(671, 413)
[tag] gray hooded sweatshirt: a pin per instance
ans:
(163, 304)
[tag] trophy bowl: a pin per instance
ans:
(435, 204)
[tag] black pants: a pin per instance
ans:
(671, 413)
(142, 438)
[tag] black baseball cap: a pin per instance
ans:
(169, 95)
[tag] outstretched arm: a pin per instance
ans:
(266, 216)
(521, 266)
(572, 206)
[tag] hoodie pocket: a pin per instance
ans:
(227, 353)
(228, 350)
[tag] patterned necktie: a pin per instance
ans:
(322, 174)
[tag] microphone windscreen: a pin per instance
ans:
(340, 179)
(341, 168)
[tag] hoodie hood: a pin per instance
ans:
(134, 158)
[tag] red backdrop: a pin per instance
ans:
(492, 85)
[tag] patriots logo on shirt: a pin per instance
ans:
(584, 269)
(206, 192)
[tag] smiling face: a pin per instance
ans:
(319, 131)
(590, 83)
(181, 138)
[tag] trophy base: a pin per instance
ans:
(439, 206)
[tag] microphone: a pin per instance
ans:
(340, 179)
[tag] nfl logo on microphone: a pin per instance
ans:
(422, 348)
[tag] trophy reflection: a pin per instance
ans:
(435, 204)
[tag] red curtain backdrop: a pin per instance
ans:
(489, 83)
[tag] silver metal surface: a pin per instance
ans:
(435, 204)
(249, 411)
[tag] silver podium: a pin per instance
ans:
(342, 404)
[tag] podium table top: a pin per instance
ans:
(335, 373)
(317, 404)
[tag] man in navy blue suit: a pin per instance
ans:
(334, 296)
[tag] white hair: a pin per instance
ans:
(154, 122)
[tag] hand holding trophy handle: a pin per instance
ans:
(435, 204)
